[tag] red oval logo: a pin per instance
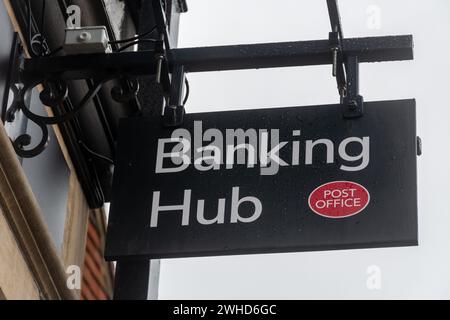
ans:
(339, 199)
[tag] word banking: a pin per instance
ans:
(250, 147)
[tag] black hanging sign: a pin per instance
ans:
(265, 181)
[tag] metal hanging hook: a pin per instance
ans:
(160, 56)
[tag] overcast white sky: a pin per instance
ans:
(419, 272)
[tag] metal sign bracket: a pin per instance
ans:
(352, 102)
(347, 77)
(170, 65)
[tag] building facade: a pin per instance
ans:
(52, 214)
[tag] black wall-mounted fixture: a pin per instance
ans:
(90, 136)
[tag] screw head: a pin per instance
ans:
(84, 36)
(353, 104)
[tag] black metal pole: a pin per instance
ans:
(174, 112)
(353, 101)
(12, 61)
(132, 280)
(335, 17)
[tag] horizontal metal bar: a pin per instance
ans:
(98, 66)
(289, 54)
(86, 66)
(237, 57)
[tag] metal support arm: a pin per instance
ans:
(220, 58)
(350, 53)
(353, 102)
